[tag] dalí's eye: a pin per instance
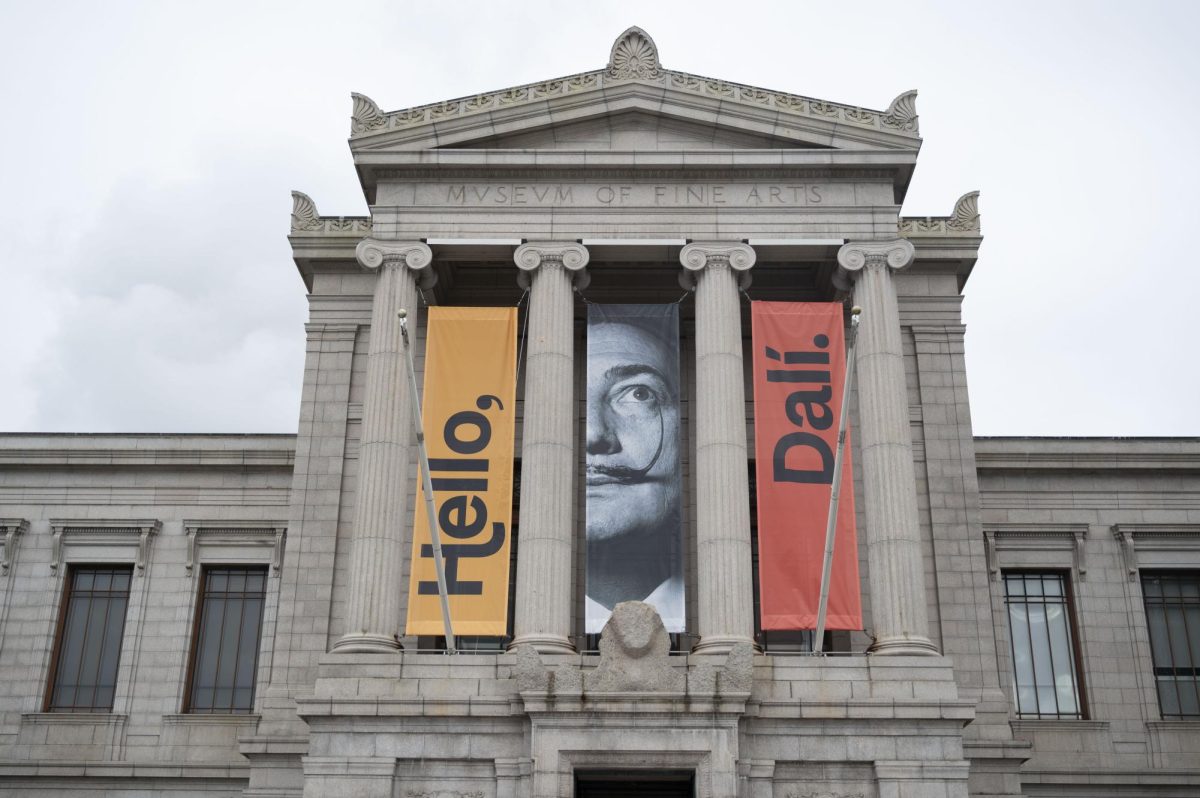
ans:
(634, 400)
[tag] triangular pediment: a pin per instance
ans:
(635, 131)
(632, 104)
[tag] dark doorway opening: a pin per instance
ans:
(621, 784)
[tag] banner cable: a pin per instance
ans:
(524, 334)
(836, 485)
(434, 535)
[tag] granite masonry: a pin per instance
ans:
(631, 183)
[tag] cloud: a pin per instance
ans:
(179, 309)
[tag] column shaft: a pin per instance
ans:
(899, 616)
(546, 546)
(382, 519)
(719, 426)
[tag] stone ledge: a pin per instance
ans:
(1059, 725)
(474, 706)
(962, 712)
(73, 718)
(117, 770)
(1167, 777)
(198, 719)
(267, 745)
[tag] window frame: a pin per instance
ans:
(1170, 573)
(1073, 639)
(64, 607)
(188, 707)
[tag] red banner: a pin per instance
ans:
(799, 374)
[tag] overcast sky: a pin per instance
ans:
(148, 151)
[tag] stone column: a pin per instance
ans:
(718, 424)
(381, 515)
(544, 551)
(897, 572)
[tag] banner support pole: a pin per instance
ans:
(836, 488)
(427, 485)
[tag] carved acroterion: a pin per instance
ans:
(902, 113)
(365, 115)
(634, 56)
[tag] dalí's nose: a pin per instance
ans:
(601, 439)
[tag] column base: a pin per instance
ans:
(715, 644)
(366, 644)
(544, 643)
(901, 646)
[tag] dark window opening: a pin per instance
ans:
(88, 647)
(224, 664)
(1046, 674)
(1173, 617)
(627, 783)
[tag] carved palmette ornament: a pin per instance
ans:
(902, 113)
(966, 213)
(365, 115)
(634, 56)
(304, 212)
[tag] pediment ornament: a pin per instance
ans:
(634, 56)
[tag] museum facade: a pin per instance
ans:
(224, 615)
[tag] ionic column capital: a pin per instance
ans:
(568, 255)
(896, 254)
(701, 255)
(375, 253)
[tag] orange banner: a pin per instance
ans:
(469, 410)
(799, 374)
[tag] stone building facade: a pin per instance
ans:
(632, 183)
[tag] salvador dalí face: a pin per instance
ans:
(632, 432)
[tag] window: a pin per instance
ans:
(88, 649)
(1046, 676)
(225, 648)
(1173, 615)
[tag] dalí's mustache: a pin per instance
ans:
(625, 475)
(616, 473)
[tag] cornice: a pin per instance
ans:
(990, 457)
(254, 534)
(306, 220)
(963, 222)
(105, 530)
(634, 60)
(165, 457)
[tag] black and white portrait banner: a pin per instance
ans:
(634, 524)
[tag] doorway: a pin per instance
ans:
(628, 783)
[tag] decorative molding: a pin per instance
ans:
(700, 255)
(902, 113)
(634, 58)
(1170, 538)
(964, 221)
(11, 528)
(571, 256)
(249, 534)
(1036, 537)
(120, 531)
(306, 219)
